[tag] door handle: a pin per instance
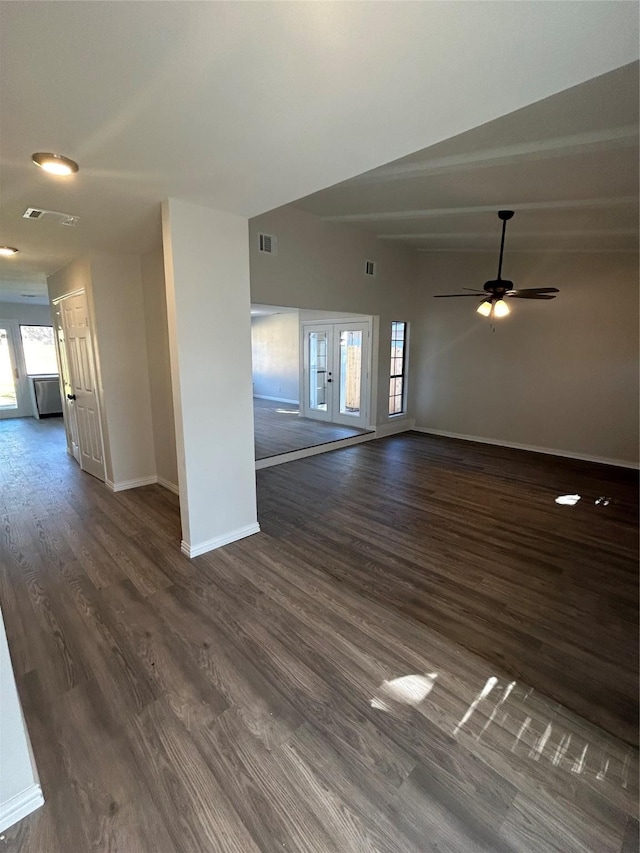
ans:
(71, 396)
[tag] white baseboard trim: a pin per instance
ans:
(131, 484)
(294, 455)
(277, 399)
(167, 484)
(219, 541)
(567, 454)
(20, 806)
(394, 427)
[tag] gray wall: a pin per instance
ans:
(561, 375)
(275, 354)
(36, 315)
(320, 265)
(157, 336)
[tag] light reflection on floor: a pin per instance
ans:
(407, 690)
(567, 500)
(572, 500)
(516, 719)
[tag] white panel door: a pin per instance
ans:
(336, 372)
(82, 398)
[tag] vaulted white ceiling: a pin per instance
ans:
(567, 165)
(247, 106)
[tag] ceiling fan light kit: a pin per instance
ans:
(493, 303)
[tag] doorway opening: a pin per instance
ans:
(311, 378)
(29, 381)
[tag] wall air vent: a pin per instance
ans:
(369, 267)
(51, 216)
(267, 244)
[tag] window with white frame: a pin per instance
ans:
(398, 368)
(39, 349)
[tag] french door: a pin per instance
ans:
(336, 372)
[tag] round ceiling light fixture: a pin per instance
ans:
(7, 251)
(55, 164)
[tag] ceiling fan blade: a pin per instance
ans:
(474, 290)
(534, 290)
(450, 295)
(518, 294)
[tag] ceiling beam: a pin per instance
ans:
(572, 204)
(561, 146)
(490, 235)
(554, 251)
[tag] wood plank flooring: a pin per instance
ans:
(302, 689)
(278, 428)
(468, 540)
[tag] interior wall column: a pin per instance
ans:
(206, 257)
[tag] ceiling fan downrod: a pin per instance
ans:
(505, 216)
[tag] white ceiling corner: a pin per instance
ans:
(247, 106)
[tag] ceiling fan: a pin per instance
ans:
(493, 303)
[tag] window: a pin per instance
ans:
(397, 373)
(39, 349)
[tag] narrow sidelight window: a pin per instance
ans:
(397, 401)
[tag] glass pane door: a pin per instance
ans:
(336, 372)
(318, 371)
(350, 372)
(8, 390)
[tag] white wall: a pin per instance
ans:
(320, 265)
(20, 791)
(157, 337)
(208, 307)
(114, 290)
(561, 375)
(121, 336)
(275, 355)
(35, 315)
(76, 275)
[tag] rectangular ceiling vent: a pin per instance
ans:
(267, 244)
(51, 216)
(369, 267)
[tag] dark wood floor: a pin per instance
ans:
(313, 688)
(278, 428)
(467, 539)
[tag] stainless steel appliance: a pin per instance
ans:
(46, 390)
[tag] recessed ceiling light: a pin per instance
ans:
(7, 251)
(56, 164)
